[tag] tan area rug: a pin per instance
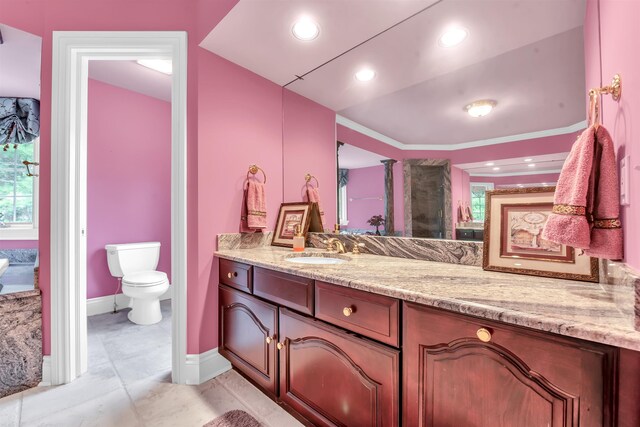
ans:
(235, 418)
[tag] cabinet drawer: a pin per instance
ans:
(464, 234)
(371, 315)
(236, 275)
(284, 289)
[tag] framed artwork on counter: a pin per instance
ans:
(291, 215)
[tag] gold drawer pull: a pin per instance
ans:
(269, 340)
(484, 334)
(280, 345)
(232, 275)
(347, 311)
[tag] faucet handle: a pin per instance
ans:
(356, 248)
(329, 243)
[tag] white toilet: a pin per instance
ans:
(136, 264)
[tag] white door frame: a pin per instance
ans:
(72, 51)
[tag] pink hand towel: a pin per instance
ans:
(606, 234)
(586, 201)
(254, 211)
(313, 196)
(568, 223)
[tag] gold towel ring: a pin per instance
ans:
(254, 169)
(308, 177)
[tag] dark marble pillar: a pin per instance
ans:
(389, 226)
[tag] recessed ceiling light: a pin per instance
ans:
(365, 75)
(489, 164)
(161, 65)
(520, 185)
(496, 168)
(528, 160)
(517, 264)
(305, 29)
(480, 108)
(532, 165)
(453, 37)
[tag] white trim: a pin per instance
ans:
(19, 233)
(495, 175)
(72, 51)
(101, 305)
(46, 372)
(204, 366)
(460, 146)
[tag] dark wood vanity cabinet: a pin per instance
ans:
(334, 378)
(463, 371)
(248, 333)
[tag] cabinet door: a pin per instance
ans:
(248, 336)
(334, 378)
(518, 378)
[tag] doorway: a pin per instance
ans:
(72, 52)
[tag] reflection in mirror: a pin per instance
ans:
(20, 54)
(497, 106)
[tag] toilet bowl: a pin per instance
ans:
(135, 264)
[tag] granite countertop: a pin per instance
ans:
(590, 311)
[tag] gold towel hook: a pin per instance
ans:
(614, 89)
(308, 177)
(254, 169)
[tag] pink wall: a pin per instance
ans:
(620, 33)
(18, 244)
(309, 144)
(365, 183)
(42, 17)
(240, 124)
(128, 178)
(521, 179)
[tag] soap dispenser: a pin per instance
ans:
(298, 240)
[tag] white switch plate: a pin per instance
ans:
(625, 178)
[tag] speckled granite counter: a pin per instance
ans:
(595, 312)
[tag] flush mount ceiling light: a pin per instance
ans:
(365, 75)
(305, 29)
(453, 37)
(162, 65)
(480, 108)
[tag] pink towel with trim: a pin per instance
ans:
(313, 195)
(253, 216)
(586, 203)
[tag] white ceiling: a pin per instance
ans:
(256, 34)
(132, 76)
(544, 164)
(351, 157)
(19, 63)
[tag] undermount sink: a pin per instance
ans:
(316, 259)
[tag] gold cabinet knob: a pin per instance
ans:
(269, 340)
(347, 311)
(280, 346)
(484, 335)
(232, 275)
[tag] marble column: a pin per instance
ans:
(389, 226)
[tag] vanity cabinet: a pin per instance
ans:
(464, 371)
(248, 332)
(334, 378)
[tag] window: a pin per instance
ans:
(18, 193)
(478, 200)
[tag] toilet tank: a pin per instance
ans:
(128, 258)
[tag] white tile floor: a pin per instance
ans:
(128, 384)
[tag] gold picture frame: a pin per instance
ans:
(514, 221)
(291, 215)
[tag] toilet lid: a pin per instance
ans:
(145, 278)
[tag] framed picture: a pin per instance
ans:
(513, 240)
(291, 215)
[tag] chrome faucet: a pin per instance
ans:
(335, 245)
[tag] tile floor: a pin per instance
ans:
(129, 384)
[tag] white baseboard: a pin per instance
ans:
(46, 372)
(204, 366)
(104, 304)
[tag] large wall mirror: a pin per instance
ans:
(462, 97)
